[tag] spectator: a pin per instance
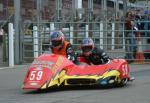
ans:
(130, 39)
(1, 36)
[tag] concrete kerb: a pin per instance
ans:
(14, 67)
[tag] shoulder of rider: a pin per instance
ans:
(97, 50)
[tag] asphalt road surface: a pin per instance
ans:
(137, 91)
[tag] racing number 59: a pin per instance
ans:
(36, 75)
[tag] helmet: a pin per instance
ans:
(87, 46)
(57, 39)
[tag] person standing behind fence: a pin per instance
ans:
(1, 36)
(130, 39)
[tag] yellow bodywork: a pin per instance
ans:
(62, 78)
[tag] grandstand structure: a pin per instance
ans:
(48, 8)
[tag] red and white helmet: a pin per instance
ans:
(57, 39)
(87, 46)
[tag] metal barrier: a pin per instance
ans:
(109, 36)
(104, 23)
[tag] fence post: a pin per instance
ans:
(87, 31)
(101, 36)
(35, 42)
(113, 37)
(123, 37)
(11, 44)
(71, 34)
(52, 28)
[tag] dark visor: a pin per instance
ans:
(56, 43)
(86, 48)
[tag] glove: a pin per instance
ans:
(71, 58)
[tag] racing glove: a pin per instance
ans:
(105, 57)
(71, 54)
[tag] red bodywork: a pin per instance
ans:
(47, 66)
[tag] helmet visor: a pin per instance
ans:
(86, 49)
(56, 43)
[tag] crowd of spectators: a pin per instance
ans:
(135, 24)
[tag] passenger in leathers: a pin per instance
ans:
(92, 54)
(61, 46)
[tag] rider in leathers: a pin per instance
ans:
(92, 54)
(61, 46)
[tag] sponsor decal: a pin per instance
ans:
(46, 64)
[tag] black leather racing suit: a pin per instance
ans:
(98, 56)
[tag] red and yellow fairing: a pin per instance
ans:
(57, 70)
